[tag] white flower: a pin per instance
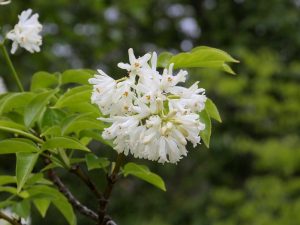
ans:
(2, 86)
(26, 33)
(150, 116)
(3, 2)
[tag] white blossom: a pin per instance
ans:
(4, 2)
(26, 32)
(150, 116)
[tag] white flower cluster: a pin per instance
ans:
(152, 117)
(26, 32)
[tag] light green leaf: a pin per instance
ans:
(66, 209)
(212, 110)
(15, 100)
(74, 96)
(93, 162)
(7, 180)
(13, 190)
(52, 117)
(206, 133)
(36, 107)
(52, 131)
(24, 166)
(145, 174)
(164, 59)
(64, 142)
(42, 205)
(80, 123)
(201, 57)
(43, 79)
(10, 124)
(15, 145)
(80, 76)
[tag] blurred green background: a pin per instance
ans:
(250, 174)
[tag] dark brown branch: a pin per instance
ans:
(85, 178)
(111, 180)
(12, 221)
(67, 193)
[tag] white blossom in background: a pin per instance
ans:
(26, 32)
(151, 116)
(9, 213)
(2, 86)
(4, 2)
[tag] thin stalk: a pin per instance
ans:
(23, 133)
(12, 221)
(11, 66)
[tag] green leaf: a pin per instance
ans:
(96, 136)
(64, 142)
(57, 198)
(15, 101)
(81, 122)
(36, 107)
(13, 190)
(201, 57)
(74, 96)
(43, 79)
(164, 59)
(10, 124)
(52, 131)
(7, 180)
(22, 208)
(79, 76)
(206, 133)
(212, 110)
(93, 162)
(66, 209)
(145, 174)
(52, 117)
(15, 145)
(24, 166)
(42, 205)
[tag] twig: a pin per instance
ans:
(12, 221)
(76, 169)
(111, 180)
(67, 193)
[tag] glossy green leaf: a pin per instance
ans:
(13, 190)
(74, 96)
(93, 162)
(53, 131)
(66, 209)
(14, 101)
(24, 166)
(212, 110)
(145, 174)
(7, 180)
(206, 133)
(36, 107)
(80, 76)
(52, 117)
(64, 142)
(201, 57)
(43, 79)
(11, 124)
(42, 205)
(15, 145)
(80, 123)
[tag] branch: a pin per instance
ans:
(67, 193)
(12, 221)
(111, 180)
(76, 169)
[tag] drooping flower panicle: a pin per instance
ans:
(151, 116)
(26, 33)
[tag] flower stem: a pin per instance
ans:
(11, 66)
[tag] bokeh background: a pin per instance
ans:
(250, 174)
